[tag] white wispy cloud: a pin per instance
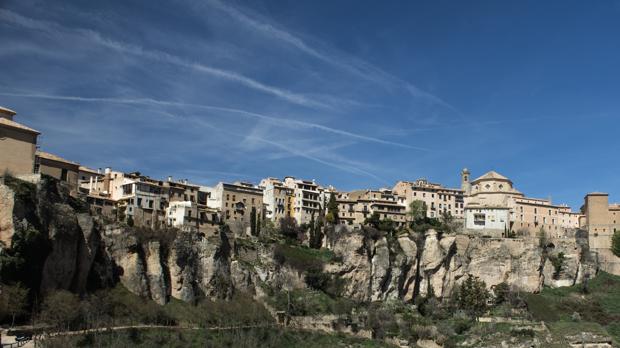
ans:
(276, 121)
(292, 150)
(353, 65)
(341, 164)
(161, 56)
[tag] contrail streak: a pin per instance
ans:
(272, 120)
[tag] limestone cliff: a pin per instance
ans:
(67, 248)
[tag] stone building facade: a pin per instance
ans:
(494, 205)
(277, 199)
(18, 145)
(356, 206)
(58, 168)
(235, 202)
(438, 199)
(601, 221)
(308, 199)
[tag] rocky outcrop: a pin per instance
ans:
(6, 215)
(355, 268)
(79, 252)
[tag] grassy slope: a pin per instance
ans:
(599, 309)
(237, 338)
(126, 309)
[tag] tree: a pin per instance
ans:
(542, 238)
(130, 221)
(419, 222)
(373, 220)
(316, 235)
(332, 209)
(472, 297)
(417, 210)
(268, 227)
(448, 223)
(615, 243)
(558, 264)
(253, 221)
(13, 300)
(289, 228)
(258, 224)
(60, 308)
(501, 292)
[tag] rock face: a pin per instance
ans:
(79, 252)
(6, 215)
(399, 268)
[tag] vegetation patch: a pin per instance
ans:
(594, 306)
(302, 258)
(255, 337)
(303, 302)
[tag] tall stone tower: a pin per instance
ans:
(465, 184)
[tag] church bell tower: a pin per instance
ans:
(465, 184)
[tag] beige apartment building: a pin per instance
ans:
(18, 145)
(356, 206)
(601, 221)
(494, 205)
(308, 199)
(236, 202)
(136, 196)
(277, 199)
(147, 200)
(86, 175)
(438, 199)
(58, 168)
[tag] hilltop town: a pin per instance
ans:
(418, 264)
(489, 205)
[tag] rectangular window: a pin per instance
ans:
(63, 175)
(479, 219)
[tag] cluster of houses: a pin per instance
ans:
(488, 205)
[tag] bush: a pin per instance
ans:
(302, 258)
(329, 284)
(289, 228)
(472, 296)
(310, 302)
(13, 301)
(558, 264)
(615, 243)
(61, 309)
(501, 292)
(317, 279)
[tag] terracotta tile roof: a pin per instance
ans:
(12, 124)
(53, 157)
(492, 175)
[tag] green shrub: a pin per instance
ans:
(558, 264)
(302, 258)
(472, 296)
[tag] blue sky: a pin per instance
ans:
(357, 94)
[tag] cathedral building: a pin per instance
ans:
(494, 205)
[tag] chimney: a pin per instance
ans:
(169, 178)
(7, 113)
